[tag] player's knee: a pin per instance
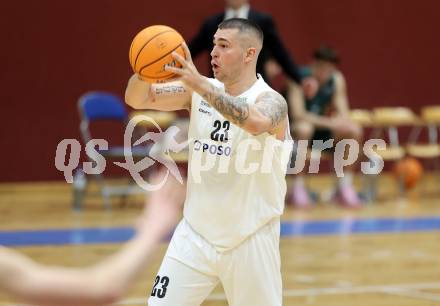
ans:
(351, 131)
(359, 132)
(356, 131)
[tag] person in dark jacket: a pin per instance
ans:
(273, 47)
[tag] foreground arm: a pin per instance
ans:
(103, 283)
(99, 285)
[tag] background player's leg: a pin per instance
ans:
(251, 272)
(176, 284)
(299, 194)
(345, 190)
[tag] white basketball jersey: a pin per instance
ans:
(236, 181)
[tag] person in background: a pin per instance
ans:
(320, 111)
(273, 46)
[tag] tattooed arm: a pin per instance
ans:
(166, 96)
(268, 114)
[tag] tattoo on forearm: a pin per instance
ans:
(273, 106)
(234, 109)
(170, 90)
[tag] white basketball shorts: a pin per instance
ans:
(192, 267)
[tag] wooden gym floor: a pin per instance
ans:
(387, 253)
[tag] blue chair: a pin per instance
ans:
(102, 106)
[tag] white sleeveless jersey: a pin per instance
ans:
(231, 192)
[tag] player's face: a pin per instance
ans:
(227, 54)
(323, 70)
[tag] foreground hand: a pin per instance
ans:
(188, 73)
(164, 206)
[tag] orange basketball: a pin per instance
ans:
(409, 170)
(151, 50)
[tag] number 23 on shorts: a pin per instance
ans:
(160, 286)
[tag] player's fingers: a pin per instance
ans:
(176, 70)
(187, 52)
(180, 59)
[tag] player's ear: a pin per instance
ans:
(251, 53)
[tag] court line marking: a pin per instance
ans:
(289, 229)
(414, 294)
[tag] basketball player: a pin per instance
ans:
(105, 282)
(323, 114)
(231, 225)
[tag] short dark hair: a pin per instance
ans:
(327, 54)
(243, 25)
